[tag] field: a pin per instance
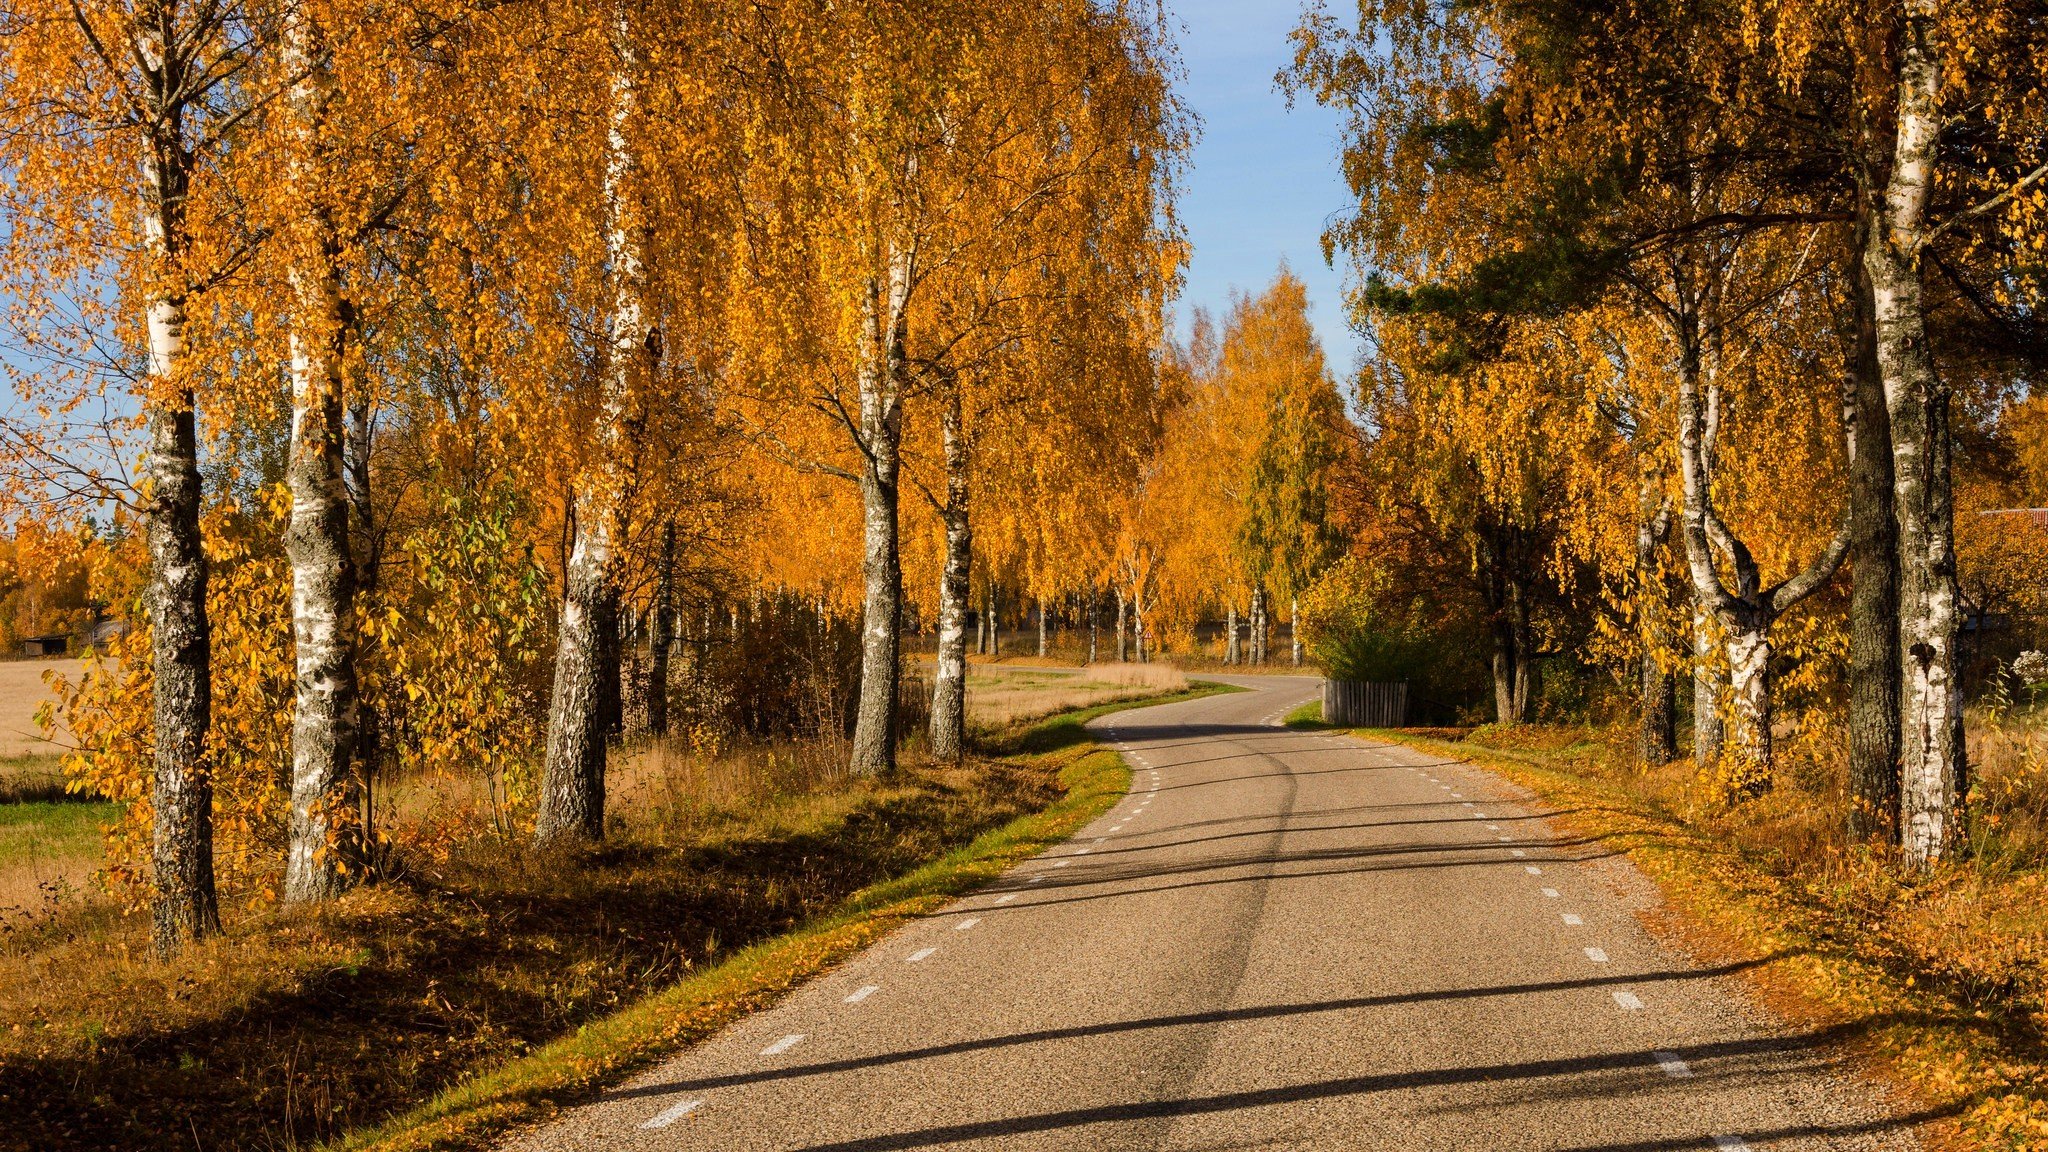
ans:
(49, 843)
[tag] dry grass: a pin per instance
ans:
(1946, 973)
(1003, 696)
(300, 1027)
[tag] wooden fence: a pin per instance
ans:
(1359, 704)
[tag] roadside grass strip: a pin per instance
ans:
(1970, 1072)
(576, 1067)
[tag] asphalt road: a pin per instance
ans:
(1279, 940)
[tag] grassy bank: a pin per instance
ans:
(497, 982)
(1940, 980)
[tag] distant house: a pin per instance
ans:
(46, 645)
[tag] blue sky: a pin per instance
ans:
(1264, 179)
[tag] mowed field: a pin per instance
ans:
(49, 844)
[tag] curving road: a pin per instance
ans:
(1279, 940)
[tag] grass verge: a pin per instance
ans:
(529, 1089)
(1309, 715)
(1968, 1054)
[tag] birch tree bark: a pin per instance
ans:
(572, 783)
(185, 907)
(1123, 651)
(884, 323)
(949, 682)
(1041, 626)
(1230, 627)
(1657, 690)
(325, 848)
(1294, 629)
(1874, 666)
(1743, 616)
(1709, 684)
(1933, 773)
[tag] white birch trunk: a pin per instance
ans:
(185, 905)
(586, 670)
(881, 431)
(1933, 772)
(325, 848)
(949, 683)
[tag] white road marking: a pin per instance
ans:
(1118, 828)
(1083, 851)
(1489, 827)
(1099, 839)
(862, 993)
(1571, 920)
(1596, 955)
(1061, 863)
(964, 925)
(920, 954)
(1034, 879)
(1505, 837)
(1005, 899)
(1550, 893)
(1470, 804)
(672, 1113)
(1628, 1001)
(783, 1045)
(1673, 1067)
(1730, 1144)
(1457, 795)
(1533, 870)
(1517, 853)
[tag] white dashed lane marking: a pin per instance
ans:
(1730, 1144)
(920, 954)
(1571, 920)
(1005, 899)
(964, 925)
(1550, 893)
(672, 1113)
(783, 1045)
(866, 990)
(1533, 870)
(1596, 955)
(1517, 853)
(1061, 863)
(1673, 1067)
(1628, 1001)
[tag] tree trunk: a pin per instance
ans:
(1094, 621)
(1258, 625)
(1709, 680)
(664, 637)
(949, 683)
(1041, 626)
(1874, 593)
(180, 651)
(881, 431)
(1749, 708)
(185, 906)
(1933, 774)
(1657, 690)
(1294, 629)
(586, 651)
(1230, 645)
(1123, 651)
(325, 848)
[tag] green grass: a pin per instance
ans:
(576, 1066)
(1309, 715)
(44, 830)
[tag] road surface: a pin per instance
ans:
(1279, 940)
